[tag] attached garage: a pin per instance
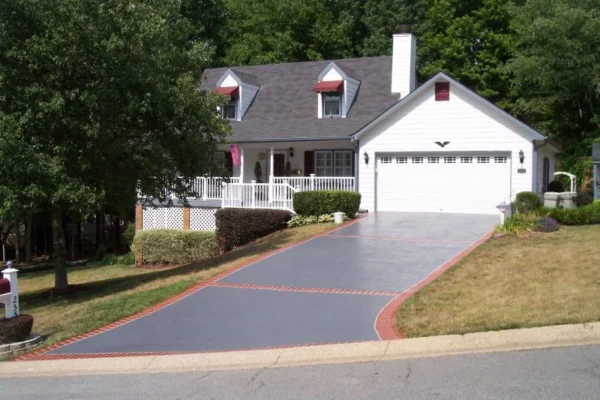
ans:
(451, 182)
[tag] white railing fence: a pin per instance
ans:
(258, 195)
(312, 182)
(211, 188)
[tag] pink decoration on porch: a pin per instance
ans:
(235, 155)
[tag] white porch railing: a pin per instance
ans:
(312, 182)
(258, 195)
(210, 188)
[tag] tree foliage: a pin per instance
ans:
(98, 98)
(556, 69)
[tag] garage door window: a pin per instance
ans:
(483, 160)
(500, 159)
(433, 160)
(450, 160)
(401, 160)
(417, 160)
(466, 160)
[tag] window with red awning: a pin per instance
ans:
(329, 86)
(231, 91)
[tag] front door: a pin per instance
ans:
(278, 164)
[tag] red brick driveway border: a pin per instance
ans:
(39, 354)
(385, 323)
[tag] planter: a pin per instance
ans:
(560, 200)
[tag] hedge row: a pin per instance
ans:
(170, 246)
(15, 329)
(238, 226)
(586, 215)
(326, 202)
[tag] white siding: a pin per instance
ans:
(468, 125)
(229, 81)
(332, 75)
(247, 94)
(403, 63)
(350, 89)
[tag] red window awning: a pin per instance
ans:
(329, 86)
(231, 91)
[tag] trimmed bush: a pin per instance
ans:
(15, 329)
(556, 186)
(583, 198)
(527, 202)
(170, 246)
(586, 215)
(238, 226)
(546, 224)
(326, 202)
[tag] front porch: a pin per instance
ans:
(267, 176)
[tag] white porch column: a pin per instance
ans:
(271, 173)
(241, 165)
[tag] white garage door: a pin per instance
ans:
(453, 183)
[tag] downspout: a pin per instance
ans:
(535, 165)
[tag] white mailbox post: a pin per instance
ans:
(9, 291)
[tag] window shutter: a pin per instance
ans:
(309, 161)
(442, 91)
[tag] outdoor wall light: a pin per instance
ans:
(521, 156)
(366, 156)
(291, 152)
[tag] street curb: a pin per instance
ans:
(385, 322)
(40, 354)
(483, 342)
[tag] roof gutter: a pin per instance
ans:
(537, 146)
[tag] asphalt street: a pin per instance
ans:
(562, 373)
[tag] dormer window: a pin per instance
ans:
(228, 110)
(332, 104)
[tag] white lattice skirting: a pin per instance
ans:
(163, 218)
(202, 219)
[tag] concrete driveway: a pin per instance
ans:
(329, 289)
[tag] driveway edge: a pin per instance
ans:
(385, 322)
(482, 342)
(39, 354)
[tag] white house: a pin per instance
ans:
(364, 124)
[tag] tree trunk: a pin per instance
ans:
(28, 237)
(18, 242)
(60, 259)
(117, 234)
(79, 239)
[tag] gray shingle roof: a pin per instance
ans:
(285, 107)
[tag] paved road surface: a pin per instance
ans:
(561, 374)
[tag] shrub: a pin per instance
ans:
(546, 224)
(586, 215)
(326, 202)
(300, 220)
(518, 224)
(527, 202)
(15, 329)
(238, 226)
(170, 246)
(129, 234)
(113, 259)
(583, 198)
(556, 186)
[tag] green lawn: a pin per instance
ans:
(110, 293)
(512, 282)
